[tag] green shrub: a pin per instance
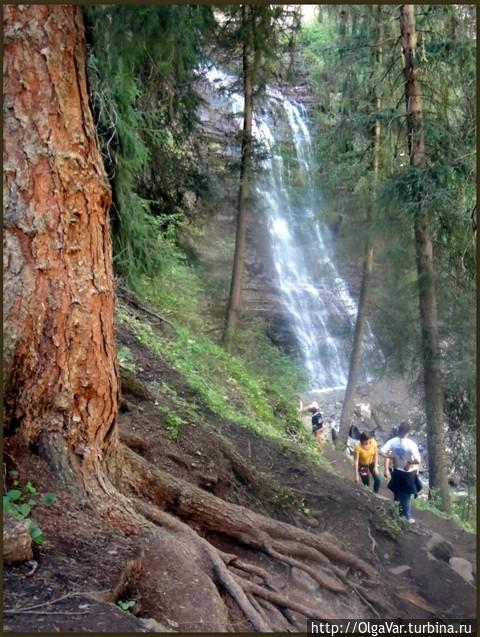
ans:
(20, 502)
(126, 359)
(172, 423)
(463, 510)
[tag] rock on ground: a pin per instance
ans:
(17, 543)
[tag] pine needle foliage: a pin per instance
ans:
(337, 55)
(141, 64)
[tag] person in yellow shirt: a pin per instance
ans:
(365, 462)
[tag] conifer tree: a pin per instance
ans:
(259, 32)
(443, 183)
(432, 372)
(248, 53)
(61, 387)
(361, 319)
(142, 70)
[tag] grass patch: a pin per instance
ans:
(224, 385)
(178, 293)
(389, 522)
(172, 423)
(190, 410)
(462, 515)
(126, 359)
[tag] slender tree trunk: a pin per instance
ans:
(61, 388)
(359, 333)
(234, 303)
(432, 371)
(358, 338)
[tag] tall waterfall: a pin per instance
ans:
(318, 301)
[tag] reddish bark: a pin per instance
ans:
(60, 370)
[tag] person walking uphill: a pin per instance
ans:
(404, 455)
(365, 462)
(317, 424)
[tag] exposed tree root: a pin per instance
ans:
(132, 299)
(316, 573)
(240, 589)
(239, 564)
(180, 505)
(217, 565)
(84, 477)
(129, 577)
(280, 620)
(194, 505)
(244, 472)
(134, 386)
(256, 605)
(281, 601)
(175, 505)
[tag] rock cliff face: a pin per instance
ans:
(211, 240)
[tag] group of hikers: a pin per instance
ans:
(401, 461)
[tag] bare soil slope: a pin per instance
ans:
(85, 566)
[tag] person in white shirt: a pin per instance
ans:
(405, 457)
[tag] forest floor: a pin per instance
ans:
(85, 566)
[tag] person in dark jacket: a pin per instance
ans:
(317, 424)
(404, 455)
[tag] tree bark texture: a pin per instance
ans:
(60, 370)
(234, 303)
(432, 371)
(361, 320)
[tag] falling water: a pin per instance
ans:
(321, 308)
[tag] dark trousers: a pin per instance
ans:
(405, 502)
(377, 481)
(404, 484)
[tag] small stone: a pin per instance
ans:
(33, 566)
(17, 543)
(398, 570)
(439, 547)
(172, 623)
(462, 567)
(153, 626)
(386, 556)
(442, 551)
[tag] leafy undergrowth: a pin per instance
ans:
(464, 519)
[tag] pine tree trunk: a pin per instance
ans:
(358, 338)
(61, 388)
(359, 333)
(234, 304)
(432, 371)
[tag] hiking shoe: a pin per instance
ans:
(411, 520)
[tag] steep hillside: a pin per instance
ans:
(290, 531)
